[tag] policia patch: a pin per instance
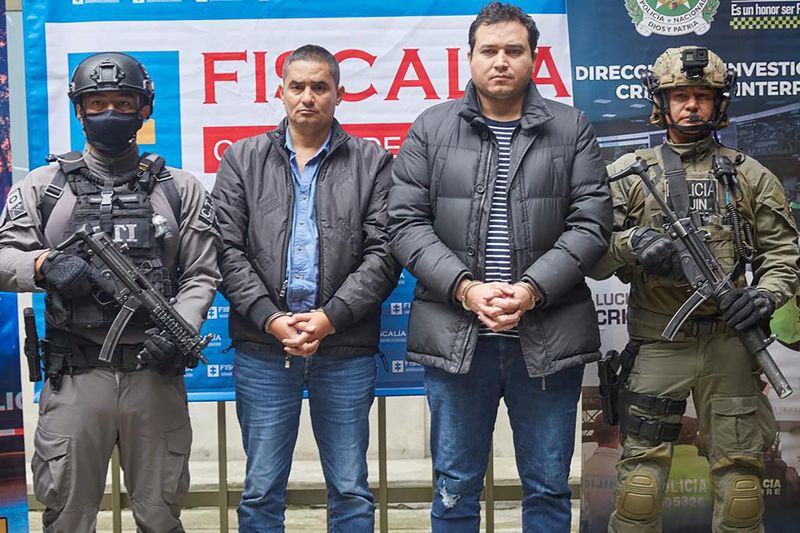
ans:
(702, 196)
(14, 207)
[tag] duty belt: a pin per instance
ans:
(82, 356)
(648, 325)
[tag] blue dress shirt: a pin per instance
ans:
(302, 262)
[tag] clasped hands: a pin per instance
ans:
(301, 333)
(499, 306)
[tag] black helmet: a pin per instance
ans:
(111, 71)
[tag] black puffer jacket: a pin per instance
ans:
(254, 198)
(559, 216)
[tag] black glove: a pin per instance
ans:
(656, 253)
(158, 351)
(72, 276)
(745, 308)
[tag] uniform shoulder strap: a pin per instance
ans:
(171, 192)
(71, 162)
(648, 154)
(676, 179)
(68, 163)
(150, 166)
(152, 170)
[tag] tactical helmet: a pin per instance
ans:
(689, 66)
(111, 71)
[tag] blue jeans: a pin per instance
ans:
(268, 401)
(463, 413)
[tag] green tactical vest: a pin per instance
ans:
(708, 198)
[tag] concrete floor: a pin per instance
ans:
(405, 519)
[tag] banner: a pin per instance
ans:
(6, 175)
(217, 67)
(759, 40)
(13, 491)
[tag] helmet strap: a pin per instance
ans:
(701, 130)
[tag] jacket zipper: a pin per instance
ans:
(284, 286)
(478, 253)
(290, 191)
(468, 336)
(285, 248)
(320, 177)
(323, 169)
(514, 273)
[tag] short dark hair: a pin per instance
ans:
(499, 12)
(313, 52)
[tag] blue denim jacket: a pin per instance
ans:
(302, 261)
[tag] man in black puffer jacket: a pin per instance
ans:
(306, 265)
(499, 208)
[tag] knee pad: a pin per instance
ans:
(744, 502)
(638, 497)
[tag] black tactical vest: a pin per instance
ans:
(122, 209)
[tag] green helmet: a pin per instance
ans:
(689, 66)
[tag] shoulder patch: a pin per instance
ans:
(14, 207)
(207, 213)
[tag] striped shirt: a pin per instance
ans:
(498, 248)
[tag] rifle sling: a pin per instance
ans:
(678, 197)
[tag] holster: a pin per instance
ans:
(655, 431)
(607, 368)
(614, 369)
(55, 363)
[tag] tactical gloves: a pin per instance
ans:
(72, 276)
(158, 351)
(656, 253)
(745, 308)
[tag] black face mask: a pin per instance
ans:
(110, 131)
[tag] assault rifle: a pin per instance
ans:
(706, 276)
(132, 291)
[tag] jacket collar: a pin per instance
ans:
(107, 166)
(338, 135)
(694, 151)
(534, 109)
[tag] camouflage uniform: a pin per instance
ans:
(706, 357)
